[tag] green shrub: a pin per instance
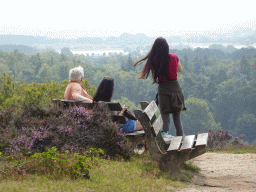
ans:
(52, 164)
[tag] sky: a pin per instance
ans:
(104, 18)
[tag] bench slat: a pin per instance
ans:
(56, 101)
(188, 142)
(85, 105)
(175, 143)
(114, 106)
(201, 139)
(143, 105)
(151, 109)
(142, 132)
(119, 119)
(158, 125)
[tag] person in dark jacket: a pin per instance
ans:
(104, 93)
(164, 67)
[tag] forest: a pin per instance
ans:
(219, 87)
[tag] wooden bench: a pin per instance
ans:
(135, 137)
(168, 154)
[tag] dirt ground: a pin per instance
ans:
(224, 172)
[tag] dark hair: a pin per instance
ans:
(157, 60)
(105, 90)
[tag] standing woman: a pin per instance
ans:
(164, 68)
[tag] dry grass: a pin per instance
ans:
(238, 149)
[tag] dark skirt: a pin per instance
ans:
(171, 98)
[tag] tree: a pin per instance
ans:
(51, 61)
(197, 64)
(245, 67)
(66, 50)
(198, 117)
(44, 72)
(125, 101)
(36, 62)
(246, 124)
(205, 63)
(63, 71)
(128, 66)
(63, 57)
(185, 64)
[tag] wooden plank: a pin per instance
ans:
(85, 105)
(144, 104)
(56, 102)
(201, 139)
(142, 132)
(157, 126)
(151, 109)
(114, 106)
(119, 119)
(67, 103)
(188, 142)
(167, 140)
(175, 144)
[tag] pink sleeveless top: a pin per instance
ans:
(172, 69)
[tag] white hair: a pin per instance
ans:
(76, 74)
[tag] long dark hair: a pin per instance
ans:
(105, 90)
(157, 60)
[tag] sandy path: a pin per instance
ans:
(224, 172)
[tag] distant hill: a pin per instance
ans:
(239, 37)
(21, 48)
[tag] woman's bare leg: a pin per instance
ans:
(138, 126)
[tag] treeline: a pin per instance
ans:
(219, 93)
(140, 39)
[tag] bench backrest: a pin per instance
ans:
(109, 106)
(156, 124)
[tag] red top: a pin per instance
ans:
(172, 69)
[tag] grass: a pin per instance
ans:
(190, 166)
(139, 174)
(238, 149)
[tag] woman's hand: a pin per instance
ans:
(179, 68)
(124, 109)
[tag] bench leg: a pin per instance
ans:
(171, 163)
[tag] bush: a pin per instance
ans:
(220, 139)
(51, 163)
(16, 94)
(38, 129)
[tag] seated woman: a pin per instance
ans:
(104, 93)
(75, 91)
